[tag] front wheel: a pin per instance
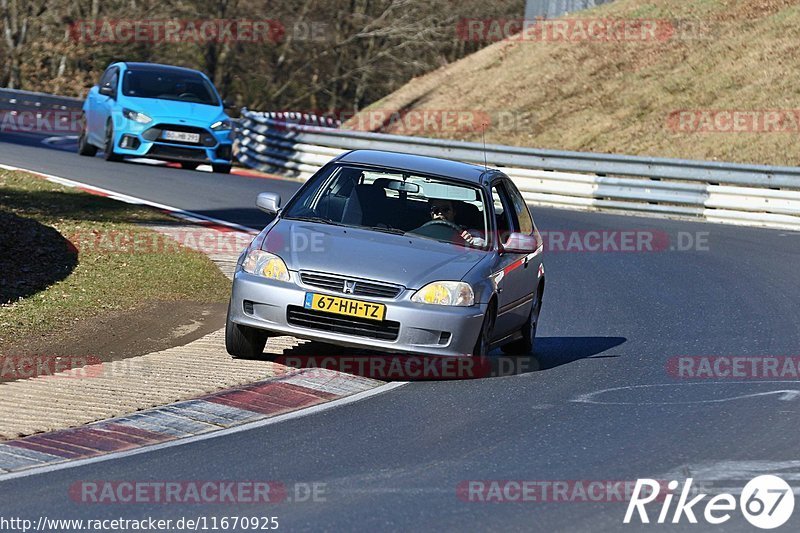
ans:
(84, 147)
(243, 342)
(221, 169)
(483, 344)
(109, 145)
(525, 345)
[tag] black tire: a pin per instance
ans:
(482, 344)
(189, 166)
(243, 342)
(221, 169)
(84, 147)
(526, 344)
(108, 148)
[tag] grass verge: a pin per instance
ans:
(46, 284)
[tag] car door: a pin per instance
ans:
(105, 104)
(515, 274)
(92, 120)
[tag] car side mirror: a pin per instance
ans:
(107, 90)
(520, 243)
(269, 202)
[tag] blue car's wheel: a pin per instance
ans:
(84, 147)
(109, 145)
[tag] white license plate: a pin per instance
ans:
(181, 136)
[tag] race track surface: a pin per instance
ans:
(611, 320)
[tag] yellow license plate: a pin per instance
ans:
(344, 306)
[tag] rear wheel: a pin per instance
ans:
(221, 169)
(525, 345)
(109, 145)
(243, 342)
(482, 345)
(189, 166)
(84, 147)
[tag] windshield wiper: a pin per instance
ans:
(320, 220)
(393, 231)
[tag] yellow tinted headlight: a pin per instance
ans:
(266, 265)
(456, 293)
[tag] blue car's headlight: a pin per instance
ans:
(222, 125)
(136, 116)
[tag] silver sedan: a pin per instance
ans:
(394, 252)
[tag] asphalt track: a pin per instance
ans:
(610, 321)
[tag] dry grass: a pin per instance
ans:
(617, 96)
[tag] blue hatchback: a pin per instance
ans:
(159, 112)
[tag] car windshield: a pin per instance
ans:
(394, 201)
(164, 85)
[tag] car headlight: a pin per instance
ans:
(221, 125)
(135, 116)
(266, 265)
(455, 293)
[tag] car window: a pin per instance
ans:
(106, 78)
(114, 79)
(524, 222)
(502, 212)
(394, 201)
(166, 85)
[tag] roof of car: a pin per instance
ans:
(416, 163)
(159, 67)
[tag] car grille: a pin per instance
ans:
(177, 153)
(154, 134)
(336, 283)
(361, 327)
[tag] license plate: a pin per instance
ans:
(344, 306)
(181, 136)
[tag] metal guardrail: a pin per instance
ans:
(757, 195)
(16, 100)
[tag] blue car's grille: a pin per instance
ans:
(361, 327)
(154, 134)
(177, 153)
(336, 283)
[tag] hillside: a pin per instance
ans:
(734, 65)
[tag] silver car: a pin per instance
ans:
(393, 252)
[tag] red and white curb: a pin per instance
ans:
(217, 414)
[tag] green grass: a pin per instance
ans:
(101, 280)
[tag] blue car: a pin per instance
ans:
(159, 112)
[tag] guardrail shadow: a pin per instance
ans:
(550, 352)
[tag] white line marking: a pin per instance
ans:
(785, 394)
(180, 213)
(206, 436)
(58, 138)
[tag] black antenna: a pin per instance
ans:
(485, 165)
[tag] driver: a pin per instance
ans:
(445, 210)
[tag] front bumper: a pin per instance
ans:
(424, 329)
(144, 140)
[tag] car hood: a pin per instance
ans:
(171, 109)
(404, 260)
